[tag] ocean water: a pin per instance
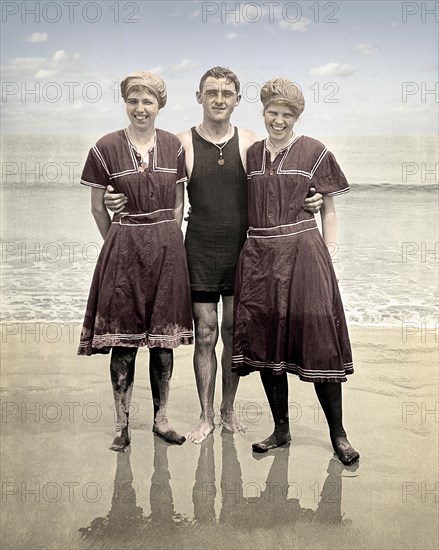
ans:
(387, 257)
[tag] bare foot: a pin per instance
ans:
(201, 431)
(163, 430)
(231, 424)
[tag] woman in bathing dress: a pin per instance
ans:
(140, 294)
(289, 316)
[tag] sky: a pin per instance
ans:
(365, 67)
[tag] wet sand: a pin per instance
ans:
(63, 489)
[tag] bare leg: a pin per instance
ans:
(276, 389)
(122, 379)
(230, 379)
(330, 397)
(161, 362)
(205, 365)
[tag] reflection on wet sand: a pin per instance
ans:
(271, 509)
(48, 463)
(126, 524)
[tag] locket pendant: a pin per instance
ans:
(221, 161)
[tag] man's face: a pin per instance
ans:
(218, 99)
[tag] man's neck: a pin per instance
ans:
(215, 131)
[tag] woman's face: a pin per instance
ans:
(279, 120)
(142, 108)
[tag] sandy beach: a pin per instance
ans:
(63, 488)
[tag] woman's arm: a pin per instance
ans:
(100, 213)
(329, 224)
(179, 203)
(329, 221)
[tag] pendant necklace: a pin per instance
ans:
(144, 164)
(144, 159)
(220, 161)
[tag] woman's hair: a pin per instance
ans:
(140, 80)
(221, 72)
(284, 91)
(138, 88)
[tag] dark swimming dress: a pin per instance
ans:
(140, 294)
(289, 315)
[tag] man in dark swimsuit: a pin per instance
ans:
(217, 189)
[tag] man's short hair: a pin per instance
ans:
(221, 72)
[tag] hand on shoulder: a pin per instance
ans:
(185, 138)
(248, 137)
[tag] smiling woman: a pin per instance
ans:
(140, 292)
(288, 311)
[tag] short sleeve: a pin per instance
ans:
(95, 172)
(327, 176)
(181, 166)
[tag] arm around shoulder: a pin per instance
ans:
(247, 137)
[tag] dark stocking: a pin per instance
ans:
(276, 390)
(161, 362)
(330, 397)
(122, 379)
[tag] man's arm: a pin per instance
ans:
(246, 139)
(186, 140)
(100, 214)
(114, 201)
(313, 202)
(179, 203)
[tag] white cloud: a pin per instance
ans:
(60, 55)
(157, 69)
(300, 26)
(37, 37)
(231, 35)
(183, 65)
(45, 73)
(27, 62)
(332, 69)
(41, 68)
(21, 68)
(366, 48)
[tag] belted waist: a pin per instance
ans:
(145, 218)
(286, 230)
